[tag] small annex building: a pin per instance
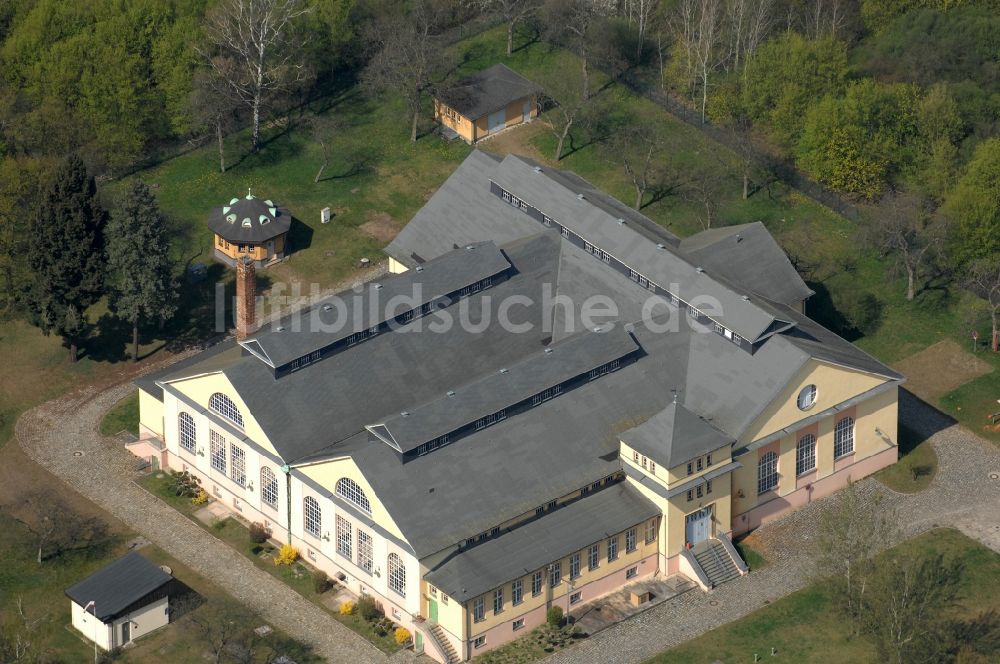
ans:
(486, 103)
(129, 598)
(250, 227)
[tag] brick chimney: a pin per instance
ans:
(246, 295)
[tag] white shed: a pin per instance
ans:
(121, 602)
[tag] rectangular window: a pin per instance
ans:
(574, 566)
(633, 275)
(517, 592)
(494, 531)
(612, 548)
(539, 511)
(635, 457)
(708, 486)
(555, 574)
(719, 329)
(364, 551)
(843, 437)
(606, 257)
(650, 531)
(652, 466)
(708, 460)
(444, 599)
(737, 339)
(517, 624)
(498, 601)
(697, 491)
(536, 584)
(575, 597)
(694, 313)
(646, 283)
(593, 557)
(630, 540)
(344, 538)
(217, 448)
(690, 495)
(690, 468)
(479, 609)
(238, 464)
(644, 464)
(479, 642)
(589, 247)
(631, 572)
(698, 464)
(506, 196)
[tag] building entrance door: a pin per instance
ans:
(526, 112)
(698, 526)
(432, 609)
(126, 631)
(498, 120)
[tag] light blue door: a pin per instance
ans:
(526, 112)
(498, 120)
(698, 526)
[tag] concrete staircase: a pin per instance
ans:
(715, 560)
(443, 644)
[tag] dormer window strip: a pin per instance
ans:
(521, 406)
(373, 331)
(618, 265)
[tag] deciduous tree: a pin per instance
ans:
(254, 46)
(141, 272)
(66, 253)
(904, 228)
(573, 24)
(512, 12)
(212, 109)
(983, 279)
(974, 206)
(567, 106)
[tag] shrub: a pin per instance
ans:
(402, 636)
(259, 533)
(382, 626)
(199, 498)
(347, 608)
(184, 485)
(554, 616)
(287, 555)
(321, 582)
(368, 609)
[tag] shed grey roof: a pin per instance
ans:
(337, 317)
(488, 90)
(747, 254)
(674, 436)
(249, 219)
(539, 371)
(530, 547)
(119, 585)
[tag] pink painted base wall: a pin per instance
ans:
(501, 634)
(808, 491)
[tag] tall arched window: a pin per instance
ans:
(843, 437)
(223, 405)
(269, 487)
(767, 472)
(805, 454)
(312, 517)
(349, 490)
(186, 432)
(397, 574)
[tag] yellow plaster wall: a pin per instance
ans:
(151, 413)
(557, 596)
(834, 385)
(326, 474)
(200, 388)
(395, 267)
(451, 616)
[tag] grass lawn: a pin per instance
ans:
(804, 627)
(751, 556)
(916, 467)
(41, 591)
(536, 644)
(972, 403)
(159, 485)
(124, 416)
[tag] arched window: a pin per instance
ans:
(269, 488)
(349, 490)
(186, 432)
(312, 517)
(767, 472)
(223, 405)
(397, 574)
(843, 437)
(805, 454)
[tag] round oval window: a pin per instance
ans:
(807, 397)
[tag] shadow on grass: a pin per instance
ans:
(299, 237)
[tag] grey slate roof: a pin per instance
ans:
(345, 314)
(747, 254)
(210, 359)
(488, 90)
(119, 585)
(530, 547)
(537, 372)
(460, 213)
(674, 436)
(249, 219)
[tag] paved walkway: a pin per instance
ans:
(962, 495)
(52, 432)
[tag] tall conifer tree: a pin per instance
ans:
(66, 254)
(141, 278)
